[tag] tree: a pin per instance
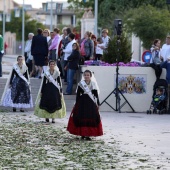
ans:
(107, 7)
(122, 5)
(148, 23)
(79, 6)
(118, 50)
(108, 10)
(15, 25)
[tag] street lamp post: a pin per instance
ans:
(23, 29)
(96, 16)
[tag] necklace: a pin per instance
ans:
(87, 82)
(20, 66)
(51, 72)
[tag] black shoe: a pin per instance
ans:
(53, 121)
(83, 137)
(14, 109)
(47, 120)
(21, 110)
(39, 77)
(88, 138)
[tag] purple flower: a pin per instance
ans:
(102, 63)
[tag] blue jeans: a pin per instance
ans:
(65, 71)
(1, 55)
(70, 78)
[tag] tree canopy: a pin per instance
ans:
(115, 8)
(147, 19)
(148, 23)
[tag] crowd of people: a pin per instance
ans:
(65, 49)
(51, 56)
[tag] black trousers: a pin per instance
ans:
(98, 56)
(65, 71)
(158, 70)
(86, 58)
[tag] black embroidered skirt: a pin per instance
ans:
(20, 92)
(50, 99)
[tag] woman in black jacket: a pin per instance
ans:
(72, 66)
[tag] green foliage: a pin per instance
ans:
(122, 5)
(15, 26)
(148, 23)
(108, 10)
(118, 50)
(107, 7)
(79, 6)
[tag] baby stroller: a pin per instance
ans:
(159, 98)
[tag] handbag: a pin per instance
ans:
(156, 59)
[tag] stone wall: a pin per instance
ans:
(106, 77)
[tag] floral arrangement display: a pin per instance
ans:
(102, 63)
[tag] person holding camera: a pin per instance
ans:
(156, 59)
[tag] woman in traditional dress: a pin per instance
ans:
(85, 119)
(17, 91)
(50, 102)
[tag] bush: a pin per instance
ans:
(118, 49)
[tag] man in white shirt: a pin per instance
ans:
(67, 52)
(28, 51)
(165, 51)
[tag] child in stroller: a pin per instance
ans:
(159, 102)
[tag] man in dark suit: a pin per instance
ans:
(39, 50)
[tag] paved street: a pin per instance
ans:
(147, 136)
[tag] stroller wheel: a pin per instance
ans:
(155, 111)
(147, 112)
(150, 111)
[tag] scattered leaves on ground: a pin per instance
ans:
(28, 145)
